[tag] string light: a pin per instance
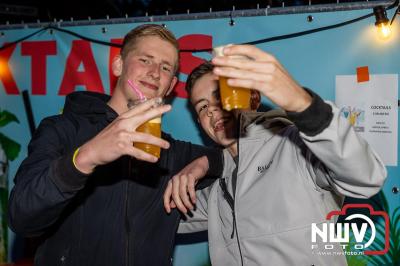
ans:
(379, 12)
(382, 22)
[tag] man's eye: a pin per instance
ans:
(167, 69)
(217, 95)
(203, 108)
(144, 60)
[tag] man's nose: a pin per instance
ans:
(154, 71)
(212, 109)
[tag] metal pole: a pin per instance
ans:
(269, 11)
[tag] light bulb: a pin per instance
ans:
(382, 22)
(384, 30)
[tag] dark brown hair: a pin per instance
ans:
(196, 74)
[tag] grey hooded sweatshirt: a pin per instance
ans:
(288, 176)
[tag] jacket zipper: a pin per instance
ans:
(172, 244)
(127, 225)
(234, 180)
(231, 202)
(229, 198)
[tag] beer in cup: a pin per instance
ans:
(232, 97)
(152, 127)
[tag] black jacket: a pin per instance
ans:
(114, 216)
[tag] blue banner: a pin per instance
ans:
(51, 64)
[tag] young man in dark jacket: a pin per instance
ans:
(93, 197)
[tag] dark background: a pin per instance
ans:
(25, 11)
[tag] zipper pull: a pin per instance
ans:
(234, 225)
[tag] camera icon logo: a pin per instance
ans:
(331, 232)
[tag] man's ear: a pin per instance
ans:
(255, 100)
(116, 65)
(172, 85)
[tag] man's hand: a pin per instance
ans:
(181, 187)
(263, 72)
(117, 138)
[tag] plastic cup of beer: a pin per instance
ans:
(232, 97)
(152, 127)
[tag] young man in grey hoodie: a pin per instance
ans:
(283, 169)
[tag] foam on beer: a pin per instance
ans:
(155, 120)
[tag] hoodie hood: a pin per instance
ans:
(267, 119)
(253, 124)
(89, 104)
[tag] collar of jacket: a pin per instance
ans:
(92, 105)
(254, 124)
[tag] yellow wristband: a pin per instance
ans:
(74, 156)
